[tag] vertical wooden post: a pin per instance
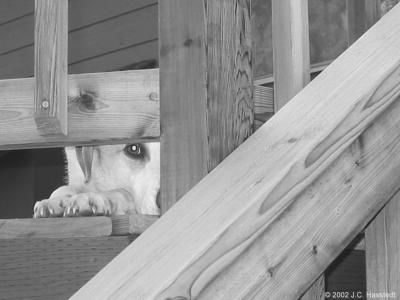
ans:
(361, 15)
(291, 49)
(382, 242)
(51, 66)
(205, 88)
(291, 61)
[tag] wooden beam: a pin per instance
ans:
(271, 217)
(291, 62)
(382, 245)
(109, 107)
(291, 49)
(51, 64)
(53, 268)
(382, 252)
(55, 227)
(206, 87)
(75, 227)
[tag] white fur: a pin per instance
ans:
(112, 170)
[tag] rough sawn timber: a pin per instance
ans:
(110, 107)
(206, 89)
(51, 66)
(271, 217)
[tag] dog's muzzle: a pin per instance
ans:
(84, 155)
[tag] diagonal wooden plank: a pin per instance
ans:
(271, 217)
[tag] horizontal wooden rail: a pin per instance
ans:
(74, 227)
(272, 216)
(102, 108)
(55, 227)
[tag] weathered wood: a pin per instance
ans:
(103, 108)
(315, 69)
(51, 61)
(382, 245)
(382, 252)
(291, 49)
(291, 63)
(206, 87)
(55, 227)
(361, 15)
(372, 12)
(54, 268)
(316, 291)
(184, 92)
(271, 217)
(100, 15)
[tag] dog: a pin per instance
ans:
(108, 180)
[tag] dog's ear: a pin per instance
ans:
(84, 154)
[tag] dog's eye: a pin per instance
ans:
(134, 151)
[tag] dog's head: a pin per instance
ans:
(134, 167)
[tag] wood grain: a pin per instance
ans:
(382, 246)
(272, 216)
(103, 108)
(291, 49)
(55, 227)
(53, 268)
(316, 291)
(382, 238)
(206, 87)
(291, 68)
(184, 92)
(51, 61)
(230, 108)
(361, 15)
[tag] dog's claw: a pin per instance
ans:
(75, 210)
(94, 210)
(51, 211)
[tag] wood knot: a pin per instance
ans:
(188, 42)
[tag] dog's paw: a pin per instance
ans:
(48, 208)
(87, 204)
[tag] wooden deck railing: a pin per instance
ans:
(271, 217)
(267, 221)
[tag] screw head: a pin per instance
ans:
(45, 104)
(154, 96)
